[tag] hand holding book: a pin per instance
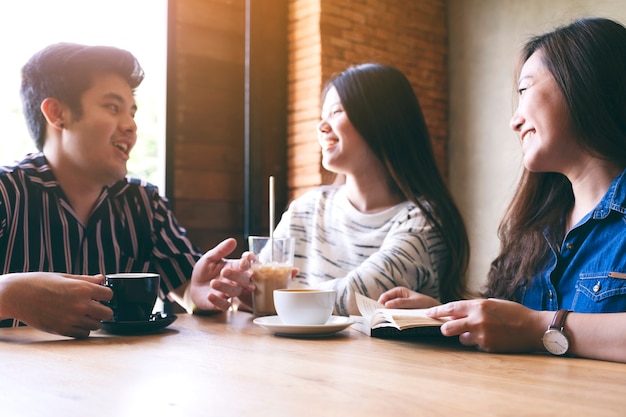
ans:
(378, 321)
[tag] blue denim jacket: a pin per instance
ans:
(589, 274)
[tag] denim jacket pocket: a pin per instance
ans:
(602, 292)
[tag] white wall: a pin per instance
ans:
(485, 156)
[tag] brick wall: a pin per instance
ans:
(326, 36)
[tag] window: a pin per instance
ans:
(140, 26)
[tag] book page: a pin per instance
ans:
(367, 307)
(362, 324)
(404, 321)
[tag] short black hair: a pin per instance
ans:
(65, 71)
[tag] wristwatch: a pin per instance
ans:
(554, 339)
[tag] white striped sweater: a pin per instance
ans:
(341, 248)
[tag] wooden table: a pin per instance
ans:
(225, 365)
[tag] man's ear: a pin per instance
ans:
(54, 111)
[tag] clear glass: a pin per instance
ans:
(271, 270)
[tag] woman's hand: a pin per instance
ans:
(402, 297)
(492, 325)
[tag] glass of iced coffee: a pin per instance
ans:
(271, 270)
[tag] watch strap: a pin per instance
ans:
(558, 322)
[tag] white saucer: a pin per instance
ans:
(333, 325)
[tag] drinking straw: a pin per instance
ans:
(271, 207)
(271, 218)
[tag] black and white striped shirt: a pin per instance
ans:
(131, 229)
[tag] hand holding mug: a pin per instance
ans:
(63, 304)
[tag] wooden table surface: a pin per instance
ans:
(225, 365)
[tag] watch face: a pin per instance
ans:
(555, 342)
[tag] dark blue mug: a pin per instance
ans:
(134, 295)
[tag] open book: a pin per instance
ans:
(378, 321)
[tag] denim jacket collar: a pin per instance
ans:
(614, 199)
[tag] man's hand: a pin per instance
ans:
(216, 281)
(63, 304)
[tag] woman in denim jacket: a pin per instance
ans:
(563, 237)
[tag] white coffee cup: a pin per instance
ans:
(304, 307)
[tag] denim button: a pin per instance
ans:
(597, 287)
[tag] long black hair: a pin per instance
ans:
(382, 106)
(587, 59)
